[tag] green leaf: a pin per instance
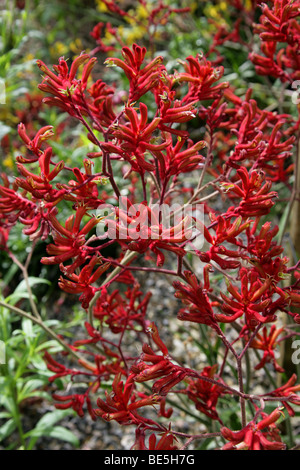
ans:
(7, 429)
(10, 273)
(16, 296)
(51, 418)
(40, 366)
(27, 328)
(30, 389)
(283, 223)
(58, 432)
(32, 281)
(51, 344)
(46, 427)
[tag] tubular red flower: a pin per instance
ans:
(288, 392)
(69, 240)
(166, 441)
(201, 77)
(204, 394)
(199, 308)
(267, 343)
(82, 282)
(279, 33)
(253, 436)
(138, 227)
(141, 79)
(121, 404)
(67, 91)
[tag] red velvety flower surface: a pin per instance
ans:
(65, 88)
(161, 137)
(122, 404)
(288, 393)
(267, 342)
(165, 442)
(205, 394)
(139, 228)
(141, 79)
(195, 297)
(255, 436)
(279, 33)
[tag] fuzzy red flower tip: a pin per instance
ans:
(288, 393)
(267, 342)
(255, 436)
(166, 441)
(3, 238)
(65, 88)
(194, 296)
(141, 79)
(205, 394)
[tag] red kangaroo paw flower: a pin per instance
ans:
(253, 436)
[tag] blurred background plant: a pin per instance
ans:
(24, 377)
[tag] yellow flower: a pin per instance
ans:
(138, 14)
(211, 11)
(134, 34)
(109, 37)
(28, 57)
(8, 162)
(101, 6)
(248, 5)
(216, 12)
(193, 6)
(141, 12)
(223, 6)
(120, 31)
(76, 46)
(58, 49)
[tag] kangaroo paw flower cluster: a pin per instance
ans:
(182, 179)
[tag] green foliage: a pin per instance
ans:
(24, 374)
